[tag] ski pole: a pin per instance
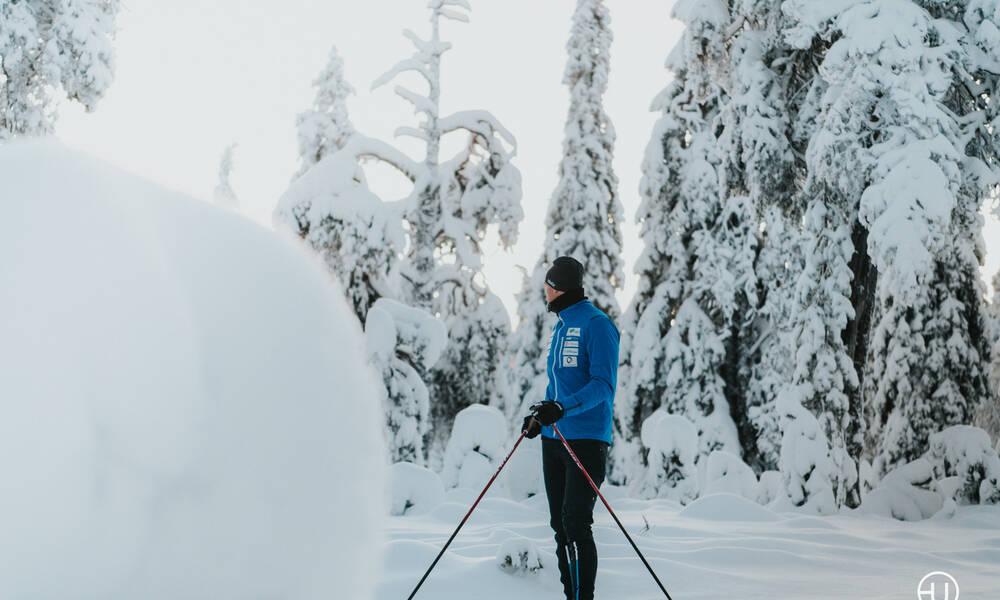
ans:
(608, 506)
(466, 517)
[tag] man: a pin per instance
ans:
(582, 369)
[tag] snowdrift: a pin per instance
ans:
(182, 399)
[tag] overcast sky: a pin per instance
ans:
(194, 76)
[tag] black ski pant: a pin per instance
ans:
(571, 507)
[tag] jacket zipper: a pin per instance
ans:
(557, 357)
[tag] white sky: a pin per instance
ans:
(194, 76)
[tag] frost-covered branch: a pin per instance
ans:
(478, 122)
(361, 146)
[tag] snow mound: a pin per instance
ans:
(769, 487)
(519, 556)
(415, 489)
(672, 472)
(727, 507)
(959, 468)
(475, 448)
(522, 477)
(727, 473)
(181, 399)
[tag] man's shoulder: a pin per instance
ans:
(593, 316)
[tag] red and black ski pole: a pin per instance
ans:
(608, 506)
(466, 517)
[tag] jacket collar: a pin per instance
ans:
(572, 308)
(567, 300)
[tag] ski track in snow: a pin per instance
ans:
(742, 551)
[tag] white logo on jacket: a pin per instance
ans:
(571, 347)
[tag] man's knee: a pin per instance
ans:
(577, 529)
(556, 523)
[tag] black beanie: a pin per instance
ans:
(565, 275)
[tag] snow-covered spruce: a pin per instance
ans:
(812, 469)
(357, 236)
(671, 471)
(475, 448)
(757, 162)
(329, 204)
(824, 380)
(403, 343)
(584, 214)
(450, 207)
(694, 269)
(224, 194)
(51, 49)
(988, 414)
(927, 359)
(326, 126)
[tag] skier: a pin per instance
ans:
(582, 368)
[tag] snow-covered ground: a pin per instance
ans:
(720, 546)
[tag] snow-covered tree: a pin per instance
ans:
(326, 126)
(584, 214)
(359, 237)
(758, 162)
(926, 367)
(696, 266)
(440, 226)
(51, 49)
(452, 204)
(814, 470)
(403, 343)
(988, 413)
(453, 201)
(475, 447)
(225, 195)
(898, 162)
(672, 445)
(828, 307)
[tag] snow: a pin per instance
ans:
(726, 472)
(960, 467)
(181, 399)
(722, 545)
(414, 489)
(402, 342)
(671, 472)
(727, 507)
(519, 555)
(475, 448)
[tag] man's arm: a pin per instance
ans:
(602, 350)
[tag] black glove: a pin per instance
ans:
(547, 413)
(531, 427)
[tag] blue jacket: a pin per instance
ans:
(582, 367)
